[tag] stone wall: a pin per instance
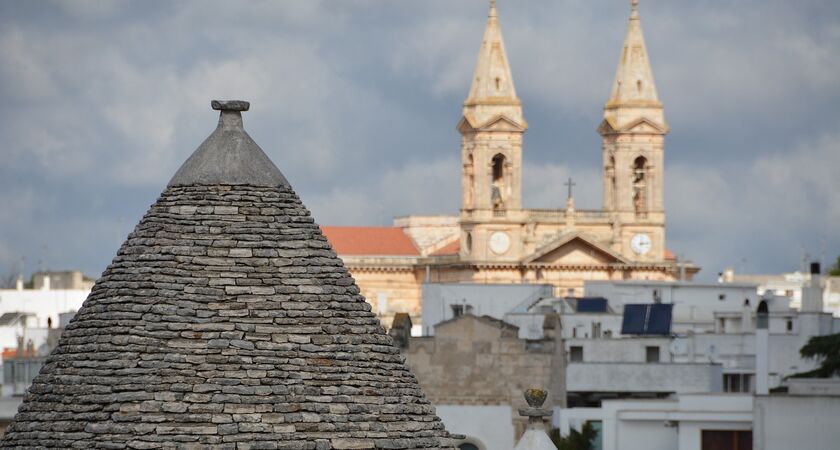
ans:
(480, 361)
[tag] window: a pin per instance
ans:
(498, 167)
(726, 440)
(652, 354)
(737, 382)
(576, 353)
(789, 325)
(640, 168)
(457, 310)
(721, 297)
(498, 185)
(598, 427)
(467, 446)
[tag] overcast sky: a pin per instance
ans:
(357, 102)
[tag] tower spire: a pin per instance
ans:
(633, 91)
(492, 92)
(491, 150)
(633, 150)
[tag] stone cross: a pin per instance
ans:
(570, 184)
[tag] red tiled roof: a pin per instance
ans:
(669, 255)
(387, 241)
(451, 248)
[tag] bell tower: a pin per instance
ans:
(491, 130)
(633, 132)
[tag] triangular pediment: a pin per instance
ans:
(607, 126)
(502, 123)
(470, 327)
(575, 249)
(640, 125)
(497, 123)
(645, 125)
(467, 124)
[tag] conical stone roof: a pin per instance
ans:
(226, 321)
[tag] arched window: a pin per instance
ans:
(498, 167)
(609, 174)
(471, 443)
(470, 172)
(640, 175)
(762, 316)
(498, 184)
(639, 168)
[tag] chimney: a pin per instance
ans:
(761, 349)
(19, 283)
(812, 292)
(746, 317)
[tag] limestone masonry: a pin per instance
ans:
(494, 239)
(226, 321)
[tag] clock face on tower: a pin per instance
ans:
(641, 243)
(499, 242)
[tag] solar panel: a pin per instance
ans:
(592, 305)
(651, 318)
(659, 320)
(634, 319)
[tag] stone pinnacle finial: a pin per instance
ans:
(229, 156)
(230, 105)
(535, 437)
(493, 8)
(634, 9)
(535, 397)
(535, 412)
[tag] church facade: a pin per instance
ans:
(494, 239)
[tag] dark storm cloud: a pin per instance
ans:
(357, 101)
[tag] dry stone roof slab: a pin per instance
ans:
(226, 321)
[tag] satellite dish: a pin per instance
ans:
(712, 351)
(679, 347)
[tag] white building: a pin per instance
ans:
(804, 417)
(42, 309)
(790, 285)
(661, 424)
(29, 320)
(674, 388)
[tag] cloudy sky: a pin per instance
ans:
(357, 100)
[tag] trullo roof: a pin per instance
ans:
(226, 321)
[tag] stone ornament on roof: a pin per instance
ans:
(535, 436)
(226, 321)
